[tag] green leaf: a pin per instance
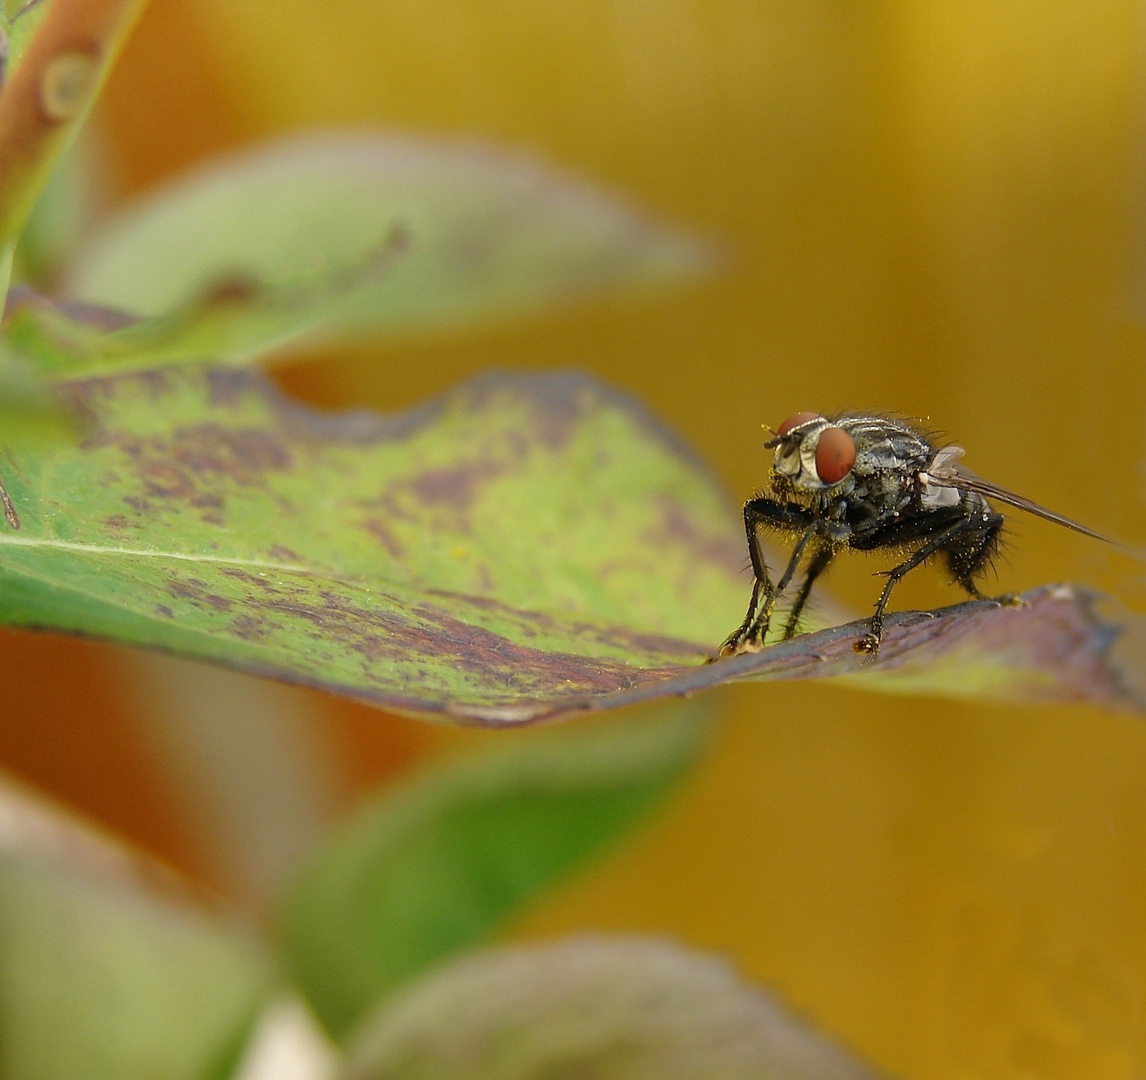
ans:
(443, 862)
(354, 235)
(22, 27)
(30, 410)
(62, 213)
(606, 1008)
(524, 548)
(523, 538)
(107, 974)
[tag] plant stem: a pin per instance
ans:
(50, 94)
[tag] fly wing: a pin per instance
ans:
(947, 472)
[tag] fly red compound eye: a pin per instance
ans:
(794, 421)
(835, 455)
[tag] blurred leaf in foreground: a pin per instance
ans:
(611, 1009)
(523, 548)
(106, 971)
(346, 235)
(443, 862)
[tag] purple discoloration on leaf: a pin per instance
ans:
(455, 487)
(377, 528)
(1056, 648)
(676, 524)
(528, 548)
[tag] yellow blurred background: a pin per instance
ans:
(927, 206)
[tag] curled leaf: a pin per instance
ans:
(526, 547)
(337, 235)
(612, 1009)
(236, 319)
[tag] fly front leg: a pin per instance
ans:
(759, 608)
(759, 512)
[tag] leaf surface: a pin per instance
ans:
(523, 548)
(106, 971)
(607, 1008)
(442, 863)
(337, 235)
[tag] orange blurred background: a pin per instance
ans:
(928, 207)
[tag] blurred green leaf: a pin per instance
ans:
(524, 548)
(31, 413)
(337, 235)
(446, 860)
(62, 213)
(22, 25)
(107, 970)
(606, 1008)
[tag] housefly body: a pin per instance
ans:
(867, 483)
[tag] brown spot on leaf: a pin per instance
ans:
(252, 628)
(198, 594)
(383, 535)
(456, 488)
(234, 291)
(676, 525)
(166, 479)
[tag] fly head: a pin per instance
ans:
(813, 458)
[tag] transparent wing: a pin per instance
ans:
(947, 472)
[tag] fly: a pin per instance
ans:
(866, 482)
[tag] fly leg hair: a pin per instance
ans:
(971, 551)
(817, 565)
(782, 517)
(942, 539)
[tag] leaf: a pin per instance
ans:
(524, 548)
(337, 235)
(611, 1009)
(237, 321)
(63, 211)
(22, 29)
(443, 862)
(30, 410)
(103, 974)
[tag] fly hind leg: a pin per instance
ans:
(941, 541)
(971, 552)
